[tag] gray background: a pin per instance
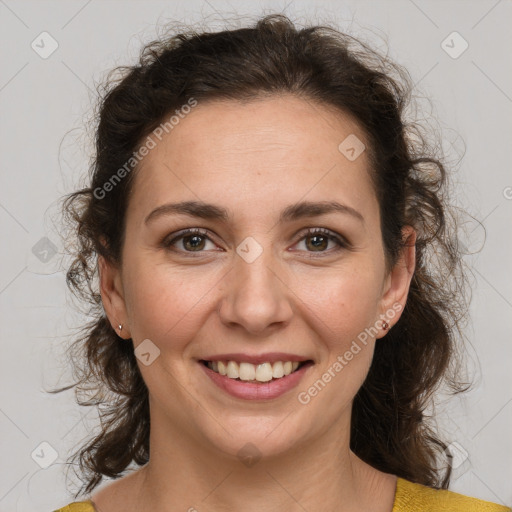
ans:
(44, 150)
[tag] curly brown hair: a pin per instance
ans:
(390, 428)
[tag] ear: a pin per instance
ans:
(112, 296)
(397, 282)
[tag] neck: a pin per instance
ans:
(315, 475)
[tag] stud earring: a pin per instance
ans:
(120, 327)
(385, 326)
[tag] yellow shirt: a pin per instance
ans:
(409, 497)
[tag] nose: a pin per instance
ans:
(257, 296)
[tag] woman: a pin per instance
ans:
(271, 323)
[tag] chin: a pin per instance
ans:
(250, 438)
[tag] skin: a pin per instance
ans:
(253, 159)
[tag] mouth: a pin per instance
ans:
(255, 373)
(255, 382)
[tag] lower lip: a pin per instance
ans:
(257, 391)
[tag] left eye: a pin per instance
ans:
(319, 239)
(193, 240)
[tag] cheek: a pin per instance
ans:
(166, 302)
(346, 300)
(343, 309)
(163, 303)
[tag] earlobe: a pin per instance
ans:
(398, 282)
(112, 296)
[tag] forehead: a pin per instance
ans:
(261, 152)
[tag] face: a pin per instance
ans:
(254, 281)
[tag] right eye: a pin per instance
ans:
(193, 240)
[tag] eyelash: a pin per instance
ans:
(342, 243)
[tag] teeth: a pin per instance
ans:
(232, 371)
(222, 368)
(246, 371)
(277, 370)
(264, 372)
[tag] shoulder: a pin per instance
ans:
(78, 506)
(412, 497)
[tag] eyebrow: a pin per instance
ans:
(213, 212)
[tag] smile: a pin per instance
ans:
(263, 372)
(255, 382)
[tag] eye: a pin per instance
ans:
(192, 240)
(317, 240)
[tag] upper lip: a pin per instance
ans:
(270, 357)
